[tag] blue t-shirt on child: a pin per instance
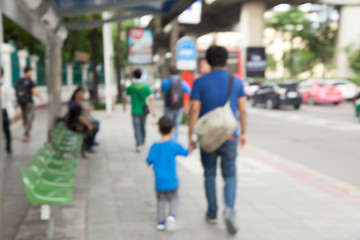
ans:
(162, 156)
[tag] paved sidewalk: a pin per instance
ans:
(277, 199)
(15, 203)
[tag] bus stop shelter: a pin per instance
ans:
(43, 20)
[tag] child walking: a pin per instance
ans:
(162, 156)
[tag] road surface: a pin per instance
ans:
(325, 138)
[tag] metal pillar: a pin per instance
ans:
(53, 73)
(174, 37)
(162, 63)
(108, 62)
(50, 231)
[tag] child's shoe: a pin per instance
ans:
(160, 226)
(171, 224)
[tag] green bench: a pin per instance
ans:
(65, 140)
(50, 180)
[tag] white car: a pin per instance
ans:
(347, 88)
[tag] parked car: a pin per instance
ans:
(250, 87)
(317, 91)
(347, 88)
(273, 95)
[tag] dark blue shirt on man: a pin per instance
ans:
(211, 89)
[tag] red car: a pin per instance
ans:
(316, 91)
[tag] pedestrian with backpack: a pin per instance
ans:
(25, 89)
(214, 95)
(173, 91)
(139, 93)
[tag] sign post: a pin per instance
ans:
(140, 46)
(186, 54)
(255, 62)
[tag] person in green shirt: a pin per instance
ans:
(139, 93)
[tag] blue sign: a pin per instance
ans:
(186, 54)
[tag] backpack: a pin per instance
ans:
(216, 126)
(174, 97)
(23, 94)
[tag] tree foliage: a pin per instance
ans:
(21, 37)
(355, 62)
(293, 22)
(271, 62)
(303, 60)
(80, 40)
(322, 42)
(319, 38)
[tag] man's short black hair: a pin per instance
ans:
(216, 56)
(166, 125)
(137, 73)
(173, 71)
(27, 69)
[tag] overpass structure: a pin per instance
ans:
(247, 16)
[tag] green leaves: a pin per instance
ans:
(355, 62)
(23, 39)
(302, 60)
(318, 39)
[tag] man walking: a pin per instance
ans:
(139, 93)
(25, 89)
(173, 91)
(210, 92)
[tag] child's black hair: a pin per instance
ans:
(166, 125)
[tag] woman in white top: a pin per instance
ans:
(7, 95)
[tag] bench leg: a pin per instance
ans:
(83, 150)
(51, 224)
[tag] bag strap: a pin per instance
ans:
(231, 80)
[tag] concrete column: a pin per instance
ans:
(108, 62)
(53, 74)
(252, 26)
(22, 54)
(6, 51)
(348, 35)
(252, 23)
(33, 63)
(70, 74)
